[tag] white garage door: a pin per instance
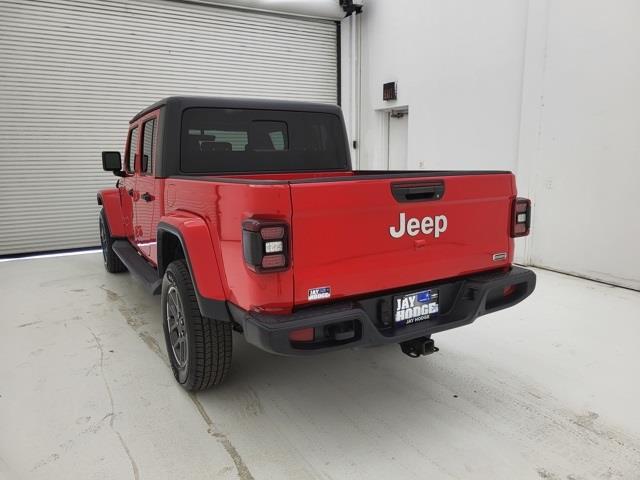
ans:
(72, 74)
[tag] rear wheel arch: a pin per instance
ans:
(170, 248)
(173, 245)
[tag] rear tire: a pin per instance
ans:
(199, 348)
(112, 262)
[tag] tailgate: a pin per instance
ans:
(357, 237)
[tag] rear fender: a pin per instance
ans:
(109, 198)
(195, 240)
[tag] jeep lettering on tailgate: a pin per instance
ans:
(427, 225)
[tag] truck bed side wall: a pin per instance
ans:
(195, 241)
(223, 207)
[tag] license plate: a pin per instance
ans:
(415, 307)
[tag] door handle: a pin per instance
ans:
(147, 197)
(130, 192)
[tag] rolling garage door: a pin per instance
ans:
(72, 74)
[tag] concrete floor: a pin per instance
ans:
(549, 389)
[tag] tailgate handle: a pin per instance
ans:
(423, 192)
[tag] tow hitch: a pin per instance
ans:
(418, 346)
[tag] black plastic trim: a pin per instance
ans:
(209, 307)
(338, 65)
(418, 191)
(357, 175)
(138, 266)
(464, 300)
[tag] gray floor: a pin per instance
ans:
(549, 389)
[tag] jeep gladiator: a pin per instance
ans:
(245, 215)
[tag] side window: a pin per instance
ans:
(129, 158)
(148, 142)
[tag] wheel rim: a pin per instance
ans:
(103, 241)
(176, 327)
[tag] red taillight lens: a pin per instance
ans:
(520, 217)
(265, 245)
(274, 261)
(506, 291)
(302, 335)
(272, 233)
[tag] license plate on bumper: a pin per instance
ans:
(415, 307)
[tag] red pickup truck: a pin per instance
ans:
(247, 216)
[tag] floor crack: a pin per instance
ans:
(111, 414)
(241, 467)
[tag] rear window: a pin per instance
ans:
(218, 140)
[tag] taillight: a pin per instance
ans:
(520, 217)
(265, 245)
(302, 335)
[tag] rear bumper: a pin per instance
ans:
(461, 302)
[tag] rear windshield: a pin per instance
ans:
(223, 140)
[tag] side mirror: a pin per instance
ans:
(111, 162)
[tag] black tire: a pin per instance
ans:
(199, 348)
(111, 261)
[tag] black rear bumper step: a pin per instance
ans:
(462, 301)
(138, 266)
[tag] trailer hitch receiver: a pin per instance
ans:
(418, 347)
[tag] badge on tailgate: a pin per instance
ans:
(319, 293)
(415, 307)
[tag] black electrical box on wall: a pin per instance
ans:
(389, 91)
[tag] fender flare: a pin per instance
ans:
(194, 236)
(109, 198)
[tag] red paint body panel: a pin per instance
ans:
(146, 213)
(203, 261)
(110, 198)
(341, 234)
(224, 206)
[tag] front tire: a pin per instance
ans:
(199, 348)
(112, 262)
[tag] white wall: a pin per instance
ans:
(549, 89)
(458, 65)
(585, 150)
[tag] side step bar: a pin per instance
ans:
(138, 266)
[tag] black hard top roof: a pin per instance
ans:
(182, 102)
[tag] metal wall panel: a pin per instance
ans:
(72, 74)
